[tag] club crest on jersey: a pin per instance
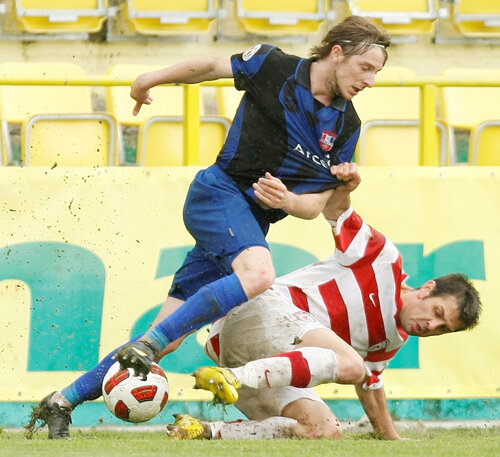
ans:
(326, 140)
(249, 53)
(303, 316)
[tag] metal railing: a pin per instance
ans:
(429, 149)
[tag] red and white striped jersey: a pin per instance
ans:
(355, 292)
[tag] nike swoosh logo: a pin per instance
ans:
(267, 372)
(372, 298)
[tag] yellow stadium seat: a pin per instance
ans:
(19, 103)
(61, 16)
(466, 107)
(228, 100)
(390, 119)
(161, 140)
(167, 100)
(70, 140)
(3, 152)
(408, 17)
(389, 102)
(477, 18)
(279, 17)
(395, 143)
(485, 144)
(167, 17)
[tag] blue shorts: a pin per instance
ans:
(224, 222)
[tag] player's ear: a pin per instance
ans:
(426, 288)
(336, 54)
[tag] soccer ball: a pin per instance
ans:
(130, 398)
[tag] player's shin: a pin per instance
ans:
(89, 385)
(209, 303)
(304, 367)
(271, 428)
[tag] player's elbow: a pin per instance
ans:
(313, 213)
(308, 206)
(315, 207)
(307, 212)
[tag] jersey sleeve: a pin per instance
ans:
(356, 242)
(261, 72)
(375, 363)
(248, 64)
(374, 378)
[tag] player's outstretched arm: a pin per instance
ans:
(189, 72)
(375, 405)
(272, 193)
(340, 199)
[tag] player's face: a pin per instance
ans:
(355, 73)
(428, 315)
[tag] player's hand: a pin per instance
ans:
(347, 172)
(272, 192)
(140, 94)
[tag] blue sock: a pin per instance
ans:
(209, 303)
(89, 385)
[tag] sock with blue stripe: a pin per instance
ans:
(89, 385)
(210, 302)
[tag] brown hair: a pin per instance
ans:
(461, 287)
(355, 35)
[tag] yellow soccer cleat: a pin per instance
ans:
(187, 427)
(220, 381)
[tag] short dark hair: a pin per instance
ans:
(461, 287)
(355, 35)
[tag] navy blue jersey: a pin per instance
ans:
(281, 128)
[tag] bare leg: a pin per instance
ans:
(350, 363)
(314, 420)
(171, 305)
(255, 270)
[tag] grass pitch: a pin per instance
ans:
(96, 443)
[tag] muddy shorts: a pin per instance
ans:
(264, 326)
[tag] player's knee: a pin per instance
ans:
(257, 280)
(358, 369)
(351, 368)
(333, 430)
(328, 429)
(265, 279)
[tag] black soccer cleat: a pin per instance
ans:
(139, 356)
(55, 416)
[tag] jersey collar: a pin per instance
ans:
(303, 77)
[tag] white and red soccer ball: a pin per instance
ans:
(132, 399)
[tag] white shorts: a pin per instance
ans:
(264, 326)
